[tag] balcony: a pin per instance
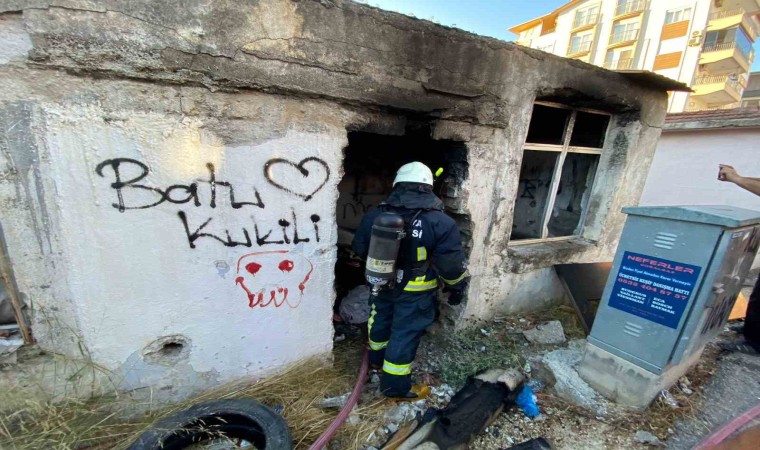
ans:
(725, 58)
(623, 38)
(579, 49)
(717, 90)
(585, 21)
(629, 8)
(619, 64)
(722, 20)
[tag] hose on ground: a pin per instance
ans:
(719, 435)
(349, 406)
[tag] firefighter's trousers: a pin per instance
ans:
(396, 325)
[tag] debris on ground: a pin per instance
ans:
(335, 402)
(559, 370)
(526, 400)
(549, 333)
(533, 444)
(10, 342)
(669, 400)
(473, 408)
(445, 362)
(645, 437)
(685, 385)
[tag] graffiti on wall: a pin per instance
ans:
(273, 278)
(311, 174)
(305, 190)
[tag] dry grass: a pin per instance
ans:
(73, 424)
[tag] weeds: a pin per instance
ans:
(469, 351)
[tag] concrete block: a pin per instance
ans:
(559, 368)
(624, 382)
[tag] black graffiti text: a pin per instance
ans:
(177, 193)
(286, 231)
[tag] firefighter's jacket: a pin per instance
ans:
(432, 249)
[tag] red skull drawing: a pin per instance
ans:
(271, 278)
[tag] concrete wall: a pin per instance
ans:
(129, 124)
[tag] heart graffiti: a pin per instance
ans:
(311, 183)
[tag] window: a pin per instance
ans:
(618, 61)
(629, 6)
(726, 39)
(586, 16)
(677, 15)
(624, 32)
(560, 158)
(580, 44)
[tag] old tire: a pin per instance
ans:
(234, 418)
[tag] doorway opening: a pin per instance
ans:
(370, 163)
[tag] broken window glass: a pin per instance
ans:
(589, 130)
(532, 194)
(572, 194)
(560, 159)
(548, 125)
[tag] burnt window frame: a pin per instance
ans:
(563, 150)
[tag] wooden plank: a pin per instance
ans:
(6, 274)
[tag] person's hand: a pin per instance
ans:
(727, 173)
(455, 297)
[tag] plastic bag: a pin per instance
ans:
(527, 402)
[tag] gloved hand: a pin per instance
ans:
(456, 296)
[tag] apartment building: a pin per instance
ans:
(706, 44)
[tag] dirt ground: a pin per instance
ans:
(448, 357)
(445, 359)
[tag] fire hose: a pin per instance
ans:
(352, 400)
(726, 430)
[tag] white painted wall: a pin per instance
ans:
(139, 278)
(685, 168)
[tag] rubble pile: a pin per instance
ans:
(570, 410)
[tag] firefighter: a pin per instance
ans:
(431, 251)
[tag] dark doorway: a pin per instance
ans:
(370, 164)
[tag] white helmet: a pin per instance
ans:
(414, 172)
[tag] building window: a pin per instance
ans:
(618, 60)
(624, 32)
(677, 15)
(560, 158)
(725, 39)
(579, 44)
(628, 6)
(586, 16)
